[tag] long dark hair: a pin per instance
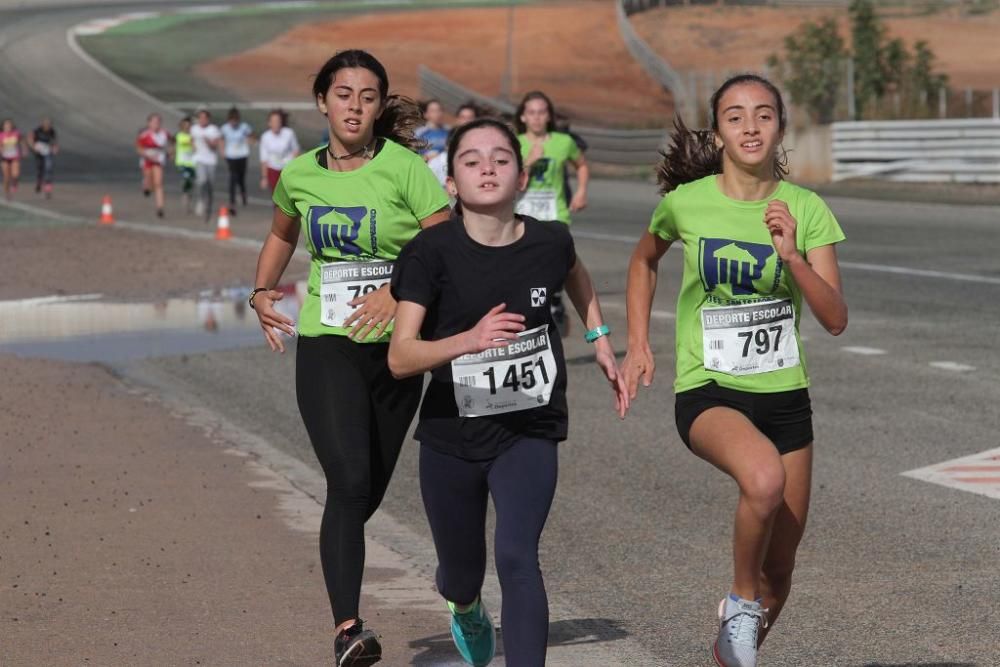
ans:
(534, 95)
(692, 154)
(400, 115)
(456, 138)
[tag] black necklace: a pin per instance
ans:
(366, 152)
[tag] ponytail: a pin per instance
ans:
(692, 154)
(399, 121)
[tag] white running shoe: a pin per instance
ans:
(739, 621)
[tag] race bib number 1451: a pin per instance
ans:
(519, 376)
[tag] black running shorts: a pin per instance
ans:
(785, 417)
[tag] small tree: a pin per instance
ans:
(812, 68)
(867, 36)
(922, 81)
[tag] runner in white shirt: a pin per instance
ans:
(207, 141)
(236, 136)
(278, 145)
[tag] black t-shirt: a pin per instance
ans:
(45, 136)
(459, 280)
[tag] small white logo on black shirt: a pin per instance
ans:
(537, 297)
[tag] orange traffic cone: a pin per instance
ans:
(107, 217)
(222, 227)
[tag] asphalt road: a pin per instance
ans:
(893, 570)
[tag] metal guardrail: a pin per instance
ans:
(653, 64)
(958, 151)
(607, 146)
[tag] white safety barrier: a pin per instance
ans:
(958, 151)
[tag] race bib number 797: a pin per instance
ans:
(750, 339)
(342, 282)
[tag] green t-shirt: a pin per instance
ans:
(546, 191)
(738, 310)
(183, 150)
(365, 215)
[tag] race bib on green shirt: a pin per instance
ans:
(342, 282)
(745, 340)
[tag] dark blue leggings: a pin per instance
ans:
(522, 481)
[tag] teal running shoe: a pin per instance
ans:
(474, 635)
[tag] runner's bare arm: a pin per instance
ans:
(434, 218)
(582, 181)
(409, 355)
(641, 286)
(817, 274)
(580, 289)
(274, 257)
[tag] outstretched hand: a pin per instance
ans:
(604, 355)
(638, 365)
(272, 322)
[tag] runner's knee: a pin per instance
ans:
(764, 489)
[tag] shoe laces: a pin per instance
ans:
(743, 626)
(472, 622)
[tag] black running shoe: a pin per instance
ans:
(357, 647)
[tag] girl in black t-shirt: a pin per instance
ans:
(473, 308)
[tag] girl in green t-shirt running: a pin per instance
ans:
(754, 246)
(357, 201)
(546, 154)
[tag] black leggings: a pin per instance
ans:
(522, 481)
(237, 179)
(357, 416)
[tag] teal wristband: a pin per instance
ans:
(596, 333)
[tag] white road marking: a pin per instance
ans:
(55, 298)
(859, 266)
(979, 473)
(952, 366)
(866, 351)
(923, 273)
(287, 4)
(71, 34)
(655, 314)
(205, 9)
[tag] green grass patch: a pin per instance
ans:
(152, 24)
(160, 53)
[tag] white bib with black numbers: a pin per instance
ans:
(519, 376)
(342, 282)
(539, 204)
(750, 339)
